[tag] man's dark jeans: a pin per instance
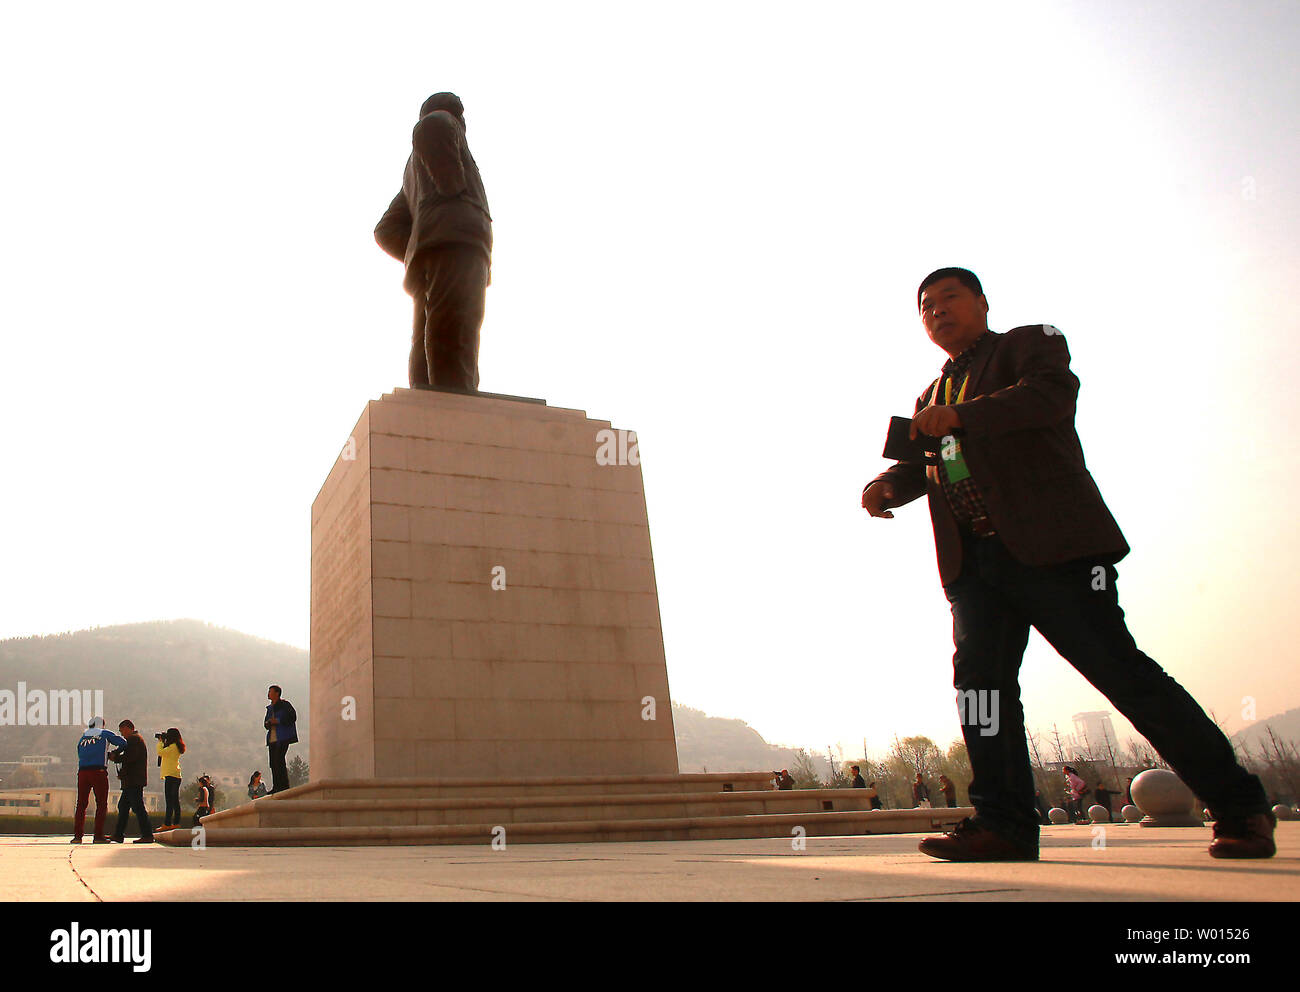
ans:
(1075, 606)
(132, 801)
(279, 769)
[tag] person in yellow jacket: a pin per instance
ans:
(170, 748)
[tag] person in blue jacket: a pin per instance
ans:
(92, 775)
(281, 731)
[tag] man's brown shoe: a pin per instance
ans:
(971, 842)
(1244, 837)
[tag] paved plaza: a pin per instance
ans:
(1133, 863)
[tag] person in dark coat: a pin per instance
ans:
(949, 791)
(439, 226)
(920, 791)
(1040, 804)
(858, 781)
(1104, 796)
(1023, 538)
(281, 731)
(133, 772)
(873, 795)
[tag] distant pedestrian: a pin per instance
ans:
(1103, 796)
(133, 774)
(784, 782)
(203, 802)
(873, 795)
(1075, 788)
(92, 775)
(256, 787)
(1040, 804)
(170, 748)
(281, 731)
(920, 792)
(858, 781)
(949, 791)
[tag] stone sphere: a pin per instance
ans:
(1284, 812)
(1058, 815)
(1131, 813)
(1165, 800)
(1098, 813)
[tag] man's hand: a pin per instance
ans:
(936, 421)
(874, 498)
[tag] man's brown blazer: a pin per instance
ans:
(1017, 435)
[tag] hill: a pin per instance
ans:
(211, 683)
(206, 680)
(710, 743)
(1285, 725)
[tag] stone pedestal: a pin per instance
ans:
(483, 597)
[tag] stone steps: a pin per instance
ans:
(816, 824)
(556, 810)
(710, 783)
(533, 809)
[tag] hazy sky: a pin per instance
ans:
(710, 222)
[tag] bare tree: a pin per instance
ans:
(804, 772)
(1056, 740)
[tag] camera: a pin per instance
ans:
(161, 737)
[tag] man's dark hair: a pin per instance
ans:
(449, 102)
(127, 724)
(965, 276)
(276, 688)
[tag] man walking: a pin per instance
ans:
(281, 731)
(1024, 539)
(920, 792)
(92, 775)
(439, 226)
(949, 791)
(133, 773)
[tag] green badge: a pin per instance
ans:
(954, 463)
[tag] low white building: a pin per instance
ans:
(47, 801)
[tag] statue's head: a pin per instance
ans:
(449, 102)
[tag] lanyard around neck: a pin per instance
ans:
(961, 393)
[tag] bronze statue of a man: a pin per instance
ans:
(439, 226)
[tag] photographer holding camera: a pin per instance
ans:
(170, 748)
